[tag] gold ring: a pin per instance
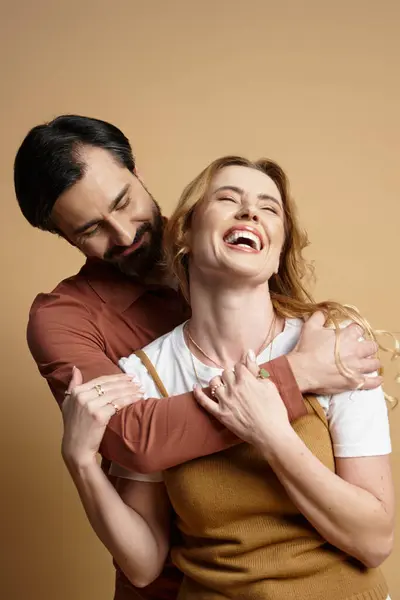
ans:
(215, 387)
(115, 407)
(99, 390)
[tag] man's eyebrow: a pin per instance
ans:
(118, 198)
(112, 207)
(240, 191)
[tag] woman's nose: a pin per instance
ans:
(247, 213)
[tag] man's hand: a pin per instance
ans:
(313, 359)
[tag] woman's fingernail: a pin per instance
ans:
(251, 355)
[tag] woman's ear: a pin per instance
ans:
(187, 240)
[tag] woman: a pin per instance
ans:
(270, 518)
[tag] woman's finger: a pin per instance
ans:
(134, 395)
(104, 381)
(215, 381)
(104, 391)
(99, 408)
(251, 363)
(241, 372)
(75, 381)
(217, 385)
(205, 402)
(229, 377)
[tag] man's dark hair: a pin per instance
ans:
(48, 162)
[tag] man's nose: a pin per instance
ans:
(122, 234)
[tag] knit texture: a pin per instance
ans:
(242, 536)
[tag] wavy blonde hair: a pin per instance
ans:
(288, 288)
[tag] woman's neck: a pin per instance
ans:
(227, 322)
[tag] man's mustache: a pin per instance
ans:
(117, 251)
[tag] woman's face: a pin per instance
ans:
(239, 228)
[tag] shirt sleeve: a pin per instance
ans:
(358, 423)
(62, 334)
(149, 435)
(156, 434)
(118, 471)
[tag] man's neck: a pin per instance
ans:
(226, 323)
(159, 276)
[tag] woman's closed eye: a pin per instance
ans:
(228, 199)
(271, 208)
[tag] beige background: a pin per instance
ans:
(314, 86)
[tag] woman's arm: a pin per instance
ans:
(137, 536)
(353, 509)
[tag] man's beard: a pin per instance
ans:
(141, 262)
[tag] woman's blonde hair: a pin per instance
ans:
(288, 288)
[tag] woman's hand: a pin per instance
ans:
(250, 406)
(87, 409)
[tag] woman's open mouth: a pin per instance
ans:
(244, 238)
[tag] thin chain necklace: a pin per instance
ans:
(270, 331)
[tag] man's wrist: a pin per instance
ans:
(300, 371)
(274, 446)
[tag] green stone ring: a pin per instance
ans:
(263, 374)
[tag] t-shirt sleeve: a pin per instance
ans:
(358, 423)
(134, 366)
(118, 471)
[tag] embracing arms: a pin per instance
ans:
(153, 435)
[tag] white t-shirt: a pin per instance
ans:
(358, 420)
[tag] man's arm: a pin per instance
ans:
(149, 435)
(61, 334)
(154, 435)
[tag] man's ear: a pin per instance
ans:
(138, 173)
(64, 237)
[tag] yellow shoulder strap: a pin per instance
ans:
(152, 372)
(314, 406)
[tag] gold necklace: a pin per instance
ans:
(270, 330)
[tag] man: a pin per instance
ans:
(76, 177)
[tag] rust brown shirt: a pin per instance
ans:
(93, 319)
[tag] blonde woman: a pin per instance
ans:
(301, 510)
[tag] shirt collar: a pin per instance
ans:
(111, 285)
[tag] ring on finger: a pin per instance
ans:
(115, 407)
(215, 387)
(263, 374)
(99, 389)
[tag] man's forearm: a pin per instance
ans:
(154, 435)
